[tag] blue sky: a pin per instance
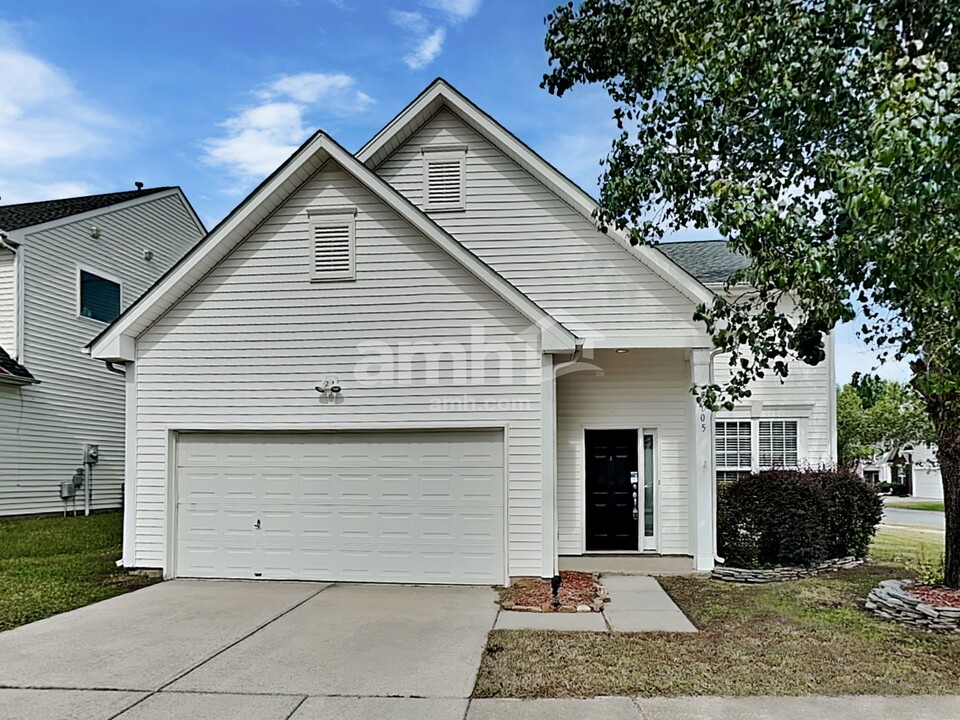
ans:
(212, 95)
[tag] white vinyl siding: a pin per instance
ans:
(542, 245)
(247, 346)
(78, 401)
(332, 254)
(8, 302)
(444, 178)
(645, 390)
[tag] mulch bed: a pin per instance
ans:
(935, 596)
(578, 591)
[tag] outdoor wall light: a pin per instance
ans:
(621, 351)
(329, 388)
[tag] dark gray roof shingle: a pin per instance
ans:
(10, 368)
(14, 217)
(709, 261)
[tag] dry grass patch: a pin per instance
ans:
(797, 638)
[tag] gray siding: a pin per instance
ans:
(78, 401)
(245, 348)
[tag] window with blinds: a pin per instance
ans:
(332, 244)
(444, 178)
(778, 443)
(733, 443)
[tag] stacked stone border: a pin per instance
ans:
(890, 601)
(781, 574)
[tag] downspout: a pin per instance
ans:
(112, 367)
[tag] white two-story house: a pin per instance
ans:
(68, 268)
(424, 362)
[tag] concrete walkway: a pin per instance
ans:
(637, 604)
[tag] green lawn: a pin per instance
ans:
(51, 565)
(929, 505)
(798, 638)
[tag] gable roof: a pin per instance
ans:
(710, 261)
(15, 217)
(440, 94)
(115, 342)
(13, 372)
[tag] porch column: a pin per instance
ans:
(700, 467)
(548, 466)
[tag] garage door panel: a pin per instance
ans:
(426, 507)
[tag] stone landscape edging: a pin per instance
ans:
(890, 601)
(781, 574)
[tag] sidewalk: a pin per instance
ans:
(923, 707)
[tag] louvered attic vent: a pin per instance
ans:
(332, 243)
(444, 177)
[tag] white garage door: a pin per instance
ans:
(408, 507)
(927, 483)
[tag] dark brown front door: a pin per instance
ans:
(612, 520)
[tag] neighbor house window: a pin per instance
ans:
(444, 177)
(734, 450)
(99, 297)
(745, 446)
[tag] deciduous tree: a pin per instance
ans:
(820, 137)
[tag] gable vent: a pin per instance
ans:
(443, 178)
(332, 238)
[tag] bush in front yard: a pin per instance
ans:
(794, 517)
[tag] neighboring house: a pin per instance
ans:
(914, 466)
(67, 269)
(425, 363)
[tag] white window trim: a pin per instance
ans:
(433, 153)
(333, 217)
(99, 273)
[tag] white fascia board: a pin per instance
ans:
(651, 341)
(562, 186)
(126, 324)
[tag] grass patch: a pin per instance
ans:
(798, 638)
(51, 565)
(928, 505)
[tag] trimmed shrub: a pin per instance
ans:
(793, 517)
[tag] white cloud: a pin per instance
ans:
(43, 117)
(260, 137)
(426, 50)
(458, 10)
(20, 191)
(427, 36)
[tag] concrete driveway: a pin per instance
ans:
(274, 651)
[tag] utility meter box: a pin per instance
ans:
(91, 454)
(68, 489)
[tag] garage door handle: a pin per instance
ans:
(257, 526)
